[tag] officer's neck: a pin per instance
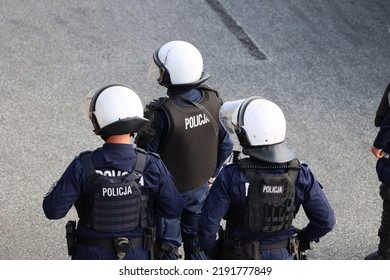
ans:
(119, 139)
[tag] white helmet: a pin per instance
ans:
(260, 127)
(115, 109)
(177, 64)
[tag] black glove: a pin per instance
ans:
(304, 242)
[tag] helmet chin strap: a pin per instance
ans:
(242, 137)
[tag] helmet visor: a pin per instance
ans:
(154, 72)
(228, 115)
(157, 69)
(87, 104)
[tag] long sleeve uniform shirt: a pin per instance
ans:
(228, 196)
(112, 160)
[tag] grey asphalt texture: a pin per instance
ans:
(325, 63)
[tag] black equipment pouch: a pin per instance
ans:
(237, 249)
(70, 236)
(149, 237)
(251, 249)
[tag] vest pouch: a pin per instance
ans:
(251, 249)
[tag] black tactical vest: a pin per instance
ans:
(190, 149)
(116, 202)
(270, 204)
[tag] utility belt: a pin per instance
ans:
(111, 243)
(238, 249)
(120, 244)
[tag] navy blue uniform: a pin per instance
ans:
(112, 160)
(228, 195)
(382, 141)
(194, 197)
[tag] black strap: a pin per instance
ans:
(294, 167)
(169, 249)
(204, 110)
(141, 161)
(86, 160)
(107, 242)
(274, 246)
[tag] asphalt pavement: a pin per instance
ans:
(325, 63)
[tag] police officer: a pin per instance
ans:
(259, 195)
(381, 150)
(186, 132)
(117, 188)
